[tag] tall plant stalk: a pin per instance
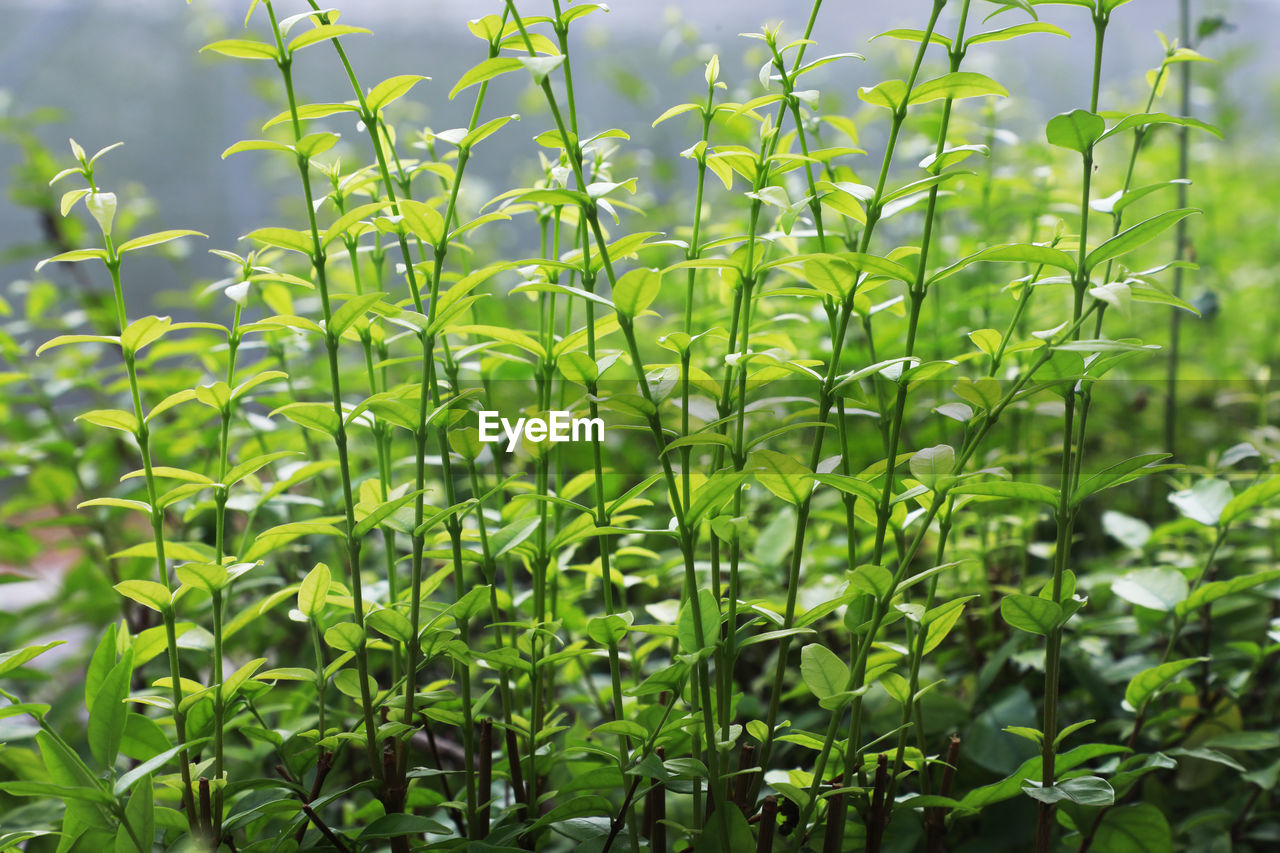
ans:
(590, 211)
(284, 63)
(827, 398)
(132, 338)
(1180, 245)
(1072, 449)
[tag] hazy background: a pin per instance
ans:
(129, 70)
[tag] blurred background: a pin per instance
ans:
(104, 71)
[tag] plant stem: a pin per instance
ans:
(1180, 247)
(143, 436)
(826, 401)
(284, 63)
(1072, 450)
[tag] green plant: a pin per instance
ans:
(755, 607)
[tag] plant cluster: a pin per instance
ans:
(839, 574)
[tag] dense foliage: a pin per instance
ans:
(876, 549)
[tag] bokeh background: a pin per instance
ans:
(129, 70)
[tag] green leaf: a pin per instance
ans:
(1120, 199)
(104, 658)
(128, 780)
(156, 239)
(209, 577)
(1157, 589)
(143, 332)
(1207, 593)
(1082, 790)
(307, 112)
(1077, 130)
(784, 475)
(63, 340)
(871, 579)
(1016, 30)
(242, 49)
(958, 84)
(317, 416)
(839, 273)
(1136, 236)
(108, 711)
(397, 825)
(941, 619)
(509, 536)
(1030, 613)
(932, 466)
(345, 637)
(282, 238)
(74, 256)
(679, 109)
(473, 602)
(1244, 741)
(70, 198)
(316, 143)
(712, 494)
(423, 220)
(822, 671)
(578, 367)
(506, 336)
(686, 625)
(51, 791)
(1011, 785)
(1139, 120)
(147, 593)
(726, 825)
(231, 684)
(63, 765)
(139, 815)
(249, 466)
(345, 225)
(1009, 489)
(1118, 474)
(1204, 502)
(1140, 828)
(486, 70)
(916, 36)
(1254, 496)
(352, 310)
(1020, 253)
(102, 207)
(382, 512)
(391, 90)
(314, 591)
(609, 630)
(243, 145)
(487, 28)
(282, 534)
(174, 399)
(322, 33)
(852, 486)
(540, 67)
(890, 94)
(143, 738)
(1147, 684)
(11, 661)
(636, 290)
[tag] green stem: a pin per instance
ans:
(284, 63)
(1072, 450)
(143, 437)
(826, 401)
(1180, 246)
